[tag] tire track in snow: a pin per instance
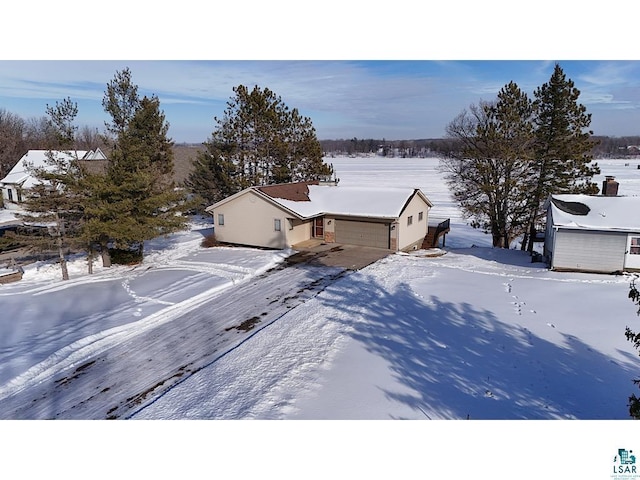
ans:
(78, 352)
(92, 377)
(81, 350)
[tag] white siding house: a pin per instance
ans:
(19, 180)
(280, 216)
(593, 233)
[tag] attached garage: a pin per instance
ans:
(366, 234)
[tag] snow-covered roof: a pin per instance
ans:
(96, 154)
(353, 201)
(38, 159)
(308, 200)
(596, 212)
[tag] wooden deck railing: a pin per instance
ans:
(437, 228)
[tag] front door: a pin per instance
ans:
(632, 257)
(318, 227)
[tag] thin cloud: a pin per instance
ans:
(366, 99)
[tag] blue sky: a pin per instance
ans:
(344, 99)
(393, 71)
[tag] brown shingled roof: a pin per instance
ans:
(296, 192)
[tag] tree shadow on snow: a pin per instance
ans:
(502, 256)
(460, 362)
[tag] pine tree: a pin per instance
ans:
(213, 176)
(107, 199)
(487, 174)
(511, 131)
(120, 101)
(634, 337)
(103, 213)
(304, 153)
(563, 146)
(51, 204)
(140, 193)
(258, 141)
(136, 199)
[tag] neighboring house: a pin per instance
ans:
(593, 233)
(280, 216)
(19, 180)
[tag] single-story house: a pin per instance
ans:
(283, 215)
(19, 180)
(593, 233)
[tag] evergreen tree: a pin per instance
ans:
(213, 176)
(488, 173)
(304, 153)
(634, 338)
(106, 207)
(137, 200)
(563, 146)
(103, 213)
(258, 141)
(50, 203)
(120, 101)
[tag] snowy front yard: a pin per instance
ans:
(477, 333)
(226, 333)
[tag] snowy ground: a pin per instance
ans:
(226, 334)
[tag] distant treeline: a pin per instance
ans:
(606, 147)
(386, 148)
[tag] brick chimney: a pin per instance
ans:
(610, 186)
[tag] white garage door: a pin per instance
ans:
(591, 251)
(362, 233)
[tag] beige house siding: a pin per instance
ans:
(410, 237)
(298, 230)
(249, 220)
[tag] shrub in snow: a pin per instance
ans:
(210, 241)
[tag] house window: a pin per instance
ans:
(410, 220)
(276, 224)
(221, 219)
(19, 196)
(10, 194)
(420, 215)
(635, 246)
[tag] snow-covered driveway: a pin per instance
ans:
(114, 375)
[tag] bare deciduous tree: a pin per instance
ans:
(488, 174)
